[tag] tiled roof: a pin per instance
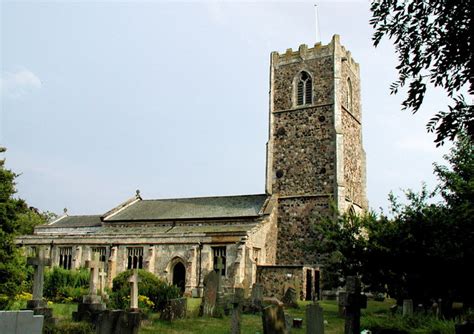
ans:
(192, 208)
(75, 221)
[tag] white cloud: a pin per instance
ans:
(18, 83)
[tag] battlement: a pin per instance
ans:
(317, 51)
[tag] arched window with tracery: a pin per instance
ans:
(349, 95)
(304, 89)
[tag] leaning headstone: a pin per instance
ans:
(18, 322)
(134, 280)
(37, 304)
(209, 299)
(237, 300)
(290, 299)
(92, 304)
(314, 319)
(407, 307)
(174, 309)
(353, 303)
(273, 319)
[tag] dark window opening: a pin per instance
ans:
(135, 258)
(304, 89)
(102, 253)
(65, 257)
(219, 252)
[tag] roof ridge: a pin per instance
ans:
(201, 197)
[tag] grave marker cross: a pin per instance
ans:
(134, 280)
(39, 262)
(94, 266)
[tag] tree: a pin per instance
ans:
(15, 218)
(423, 251)
(433, 40)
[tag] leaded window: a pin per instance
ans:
(101, 251)
(65, 257)
(135, 258)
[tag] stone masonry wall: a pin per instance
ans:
(303, 152)
(275, 279)
(296, 219)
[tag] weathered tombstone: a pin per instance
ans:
(257, 296)
(118, 322)
(341, 301)
(92, 304)
(37, 304)
(273, 319)
(102, 282)
(174, 309)
(314, 319)
(220, 301)
(290, 298)
(237, 301)
(288, 323)
(134, 280)
(209, 299)
(353, 303)
(18, 322)
(407, 307)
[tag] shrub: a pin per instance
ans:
(150, 286)
(61, 285)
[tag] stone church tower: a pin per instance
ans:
(315, 157)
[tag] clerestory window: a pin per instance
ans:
(304, 89)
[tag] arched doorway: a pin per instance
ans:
(179, 276)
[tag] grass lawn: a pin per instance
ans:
(376, 313)
(250, 323)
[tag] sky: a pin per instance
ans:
(100, 98)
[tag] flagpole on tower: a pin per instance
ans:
(318, 37)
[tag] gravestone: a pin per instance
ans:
(290, 298)
(37, 304)
(174, 309)
(354, 301)
(255, 302)
(21, 322)
(314, 319)
(237, 301)
(407, 307)
(118, 322)
(209, 299)
(92, 304)
(273, 319)
(102, 282)
(134, 280)
(220, 301)
(341, 301)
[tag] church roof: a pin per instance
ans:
(192, 208)
(75, 221)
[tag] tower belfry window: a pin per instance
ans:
(304, 89)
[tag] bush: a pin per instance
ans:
(156, 291)
(61, 285)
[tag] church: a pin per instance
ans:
(315, 160)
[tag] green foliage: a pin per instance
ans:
(157, 291)
(423, 251)
(404, 324)
(16, 218)
(61, 285)
(71, 327)
(433, 40)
